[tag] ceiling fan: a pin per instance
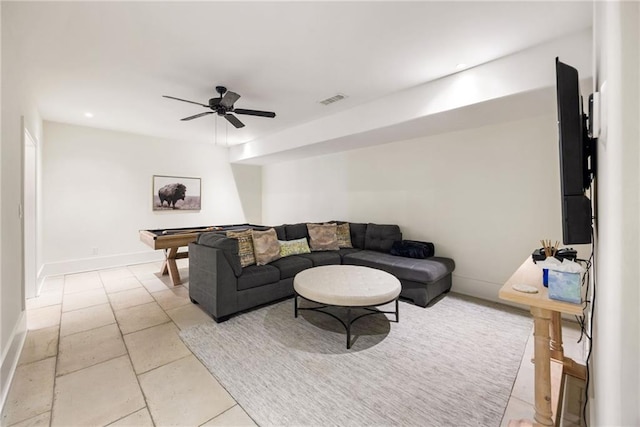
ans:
(223, 106)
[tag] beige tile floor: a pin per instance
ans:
(102, 348)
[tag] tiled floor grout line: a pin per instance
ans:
(55, 368)
(124, 342)
(162, 366)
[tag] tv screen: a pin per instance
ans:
(575, 153)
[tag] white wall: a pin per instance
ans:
(97, 192)
(616, 323)
(484, 196)
(18, 111)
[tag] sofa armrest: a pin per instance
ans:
(212, 281)
(227, 245)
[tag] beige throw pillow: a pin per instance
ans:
(323, 237)
(245, 246)
(265, 246)
(344, 235)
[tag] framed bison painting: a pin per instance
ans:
(176, 193)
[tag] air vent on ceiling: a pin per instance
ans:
(335, 98)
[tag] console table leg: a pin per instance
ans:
(542, 320)
(557, 351)
(348, 328)
(295, 306)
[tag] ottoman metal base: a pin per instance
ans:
(349, 321)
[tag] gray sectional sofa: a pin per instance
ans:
(222, 287)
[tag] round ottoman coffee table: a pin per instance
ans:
(348, 286)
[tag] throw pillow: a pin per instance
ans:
(344, 235)
(265, 246)
(323, 237)
(412, 249)
(293, 247)
(245, 246)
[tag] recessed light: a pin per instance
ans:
(88, 115)
(460, 66)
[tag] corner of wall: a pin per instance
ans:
(248, 180)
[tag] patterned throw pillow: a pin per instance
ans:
(323, 237)
(293, 247)
(344, 235)
(245, 246)
(265, 246)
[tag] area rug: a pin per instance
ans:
(451, 364)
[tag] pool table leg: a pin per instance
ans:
(169, 266)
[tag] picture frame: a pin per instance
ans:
(171, 193)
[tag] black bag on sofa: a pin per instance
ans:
(412, 249)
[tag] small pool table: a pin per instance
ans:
(172, 239)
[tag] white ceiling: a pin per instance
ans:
(116, 59)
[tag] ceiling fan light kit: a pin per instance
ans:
(224, 106)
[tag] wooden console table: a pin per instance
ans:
(548, 350)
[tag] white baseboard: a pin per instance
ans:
(481, 289)
(97, 263)
(489, 291)
(476, 288)
(10, 357)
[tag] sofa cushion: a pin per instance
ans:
(280, 231)
(345, 251)
(290, 266)
(296, 231)
(254, 276)
(265, 246)
(381, 237)
(323, 237)
(344, 235)
(416, 270)
(323, 258)
(245, 246)
(293, 247)
(228, 246)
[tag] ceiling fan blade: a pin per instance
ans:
(229, 99)
(234, 120)
(196, 116)
(254, 112)
(184, 100)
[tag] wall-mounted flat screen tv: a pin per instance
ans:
(577, 157)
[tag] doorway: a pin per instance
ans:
(29, 243)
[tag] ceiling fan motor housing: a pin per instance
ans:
(224, 106)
